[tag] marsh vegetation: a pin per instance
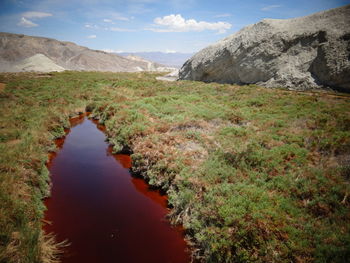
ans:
(253, 174)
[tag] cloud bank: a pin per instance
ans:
(176, 23)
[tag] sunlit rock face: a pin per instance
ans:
(301, 53)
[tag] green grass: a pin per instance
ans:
(253, 174)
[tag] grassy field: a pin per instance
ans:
(253, 174)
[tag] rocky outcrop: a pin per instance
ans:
(14, 49)
(302, 53)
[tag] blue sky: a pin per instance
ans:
(146, 25)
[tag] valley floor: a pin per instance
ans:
(253, 174)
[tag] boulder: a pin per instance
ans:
(301, 53)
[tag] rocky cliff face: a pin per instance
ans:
(301, 53)
(15, 50)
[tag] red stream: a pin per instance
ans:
(106, 214)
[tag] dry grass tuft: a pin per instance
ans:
(12, 253)
(50, 250)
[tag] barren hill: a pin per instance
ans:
(15, 49)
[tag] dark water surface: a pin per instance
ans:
(106, 215)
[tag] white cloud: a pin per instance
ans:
(223, 15)
(34, 14)
(26, 23)
(91, 26)
(176, 23)
(112, 28)
(169, 51)
(107, 20)
(92, 36)
(118, 29)
(270, 7)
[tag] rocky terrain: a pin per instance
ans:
(301, 53)
(27, 53)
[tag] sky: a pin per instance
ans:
(146, 25)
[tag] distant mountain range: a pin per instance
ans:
(174, 59)
(29, 53)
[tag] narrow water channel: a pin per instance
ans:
(106, 214)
